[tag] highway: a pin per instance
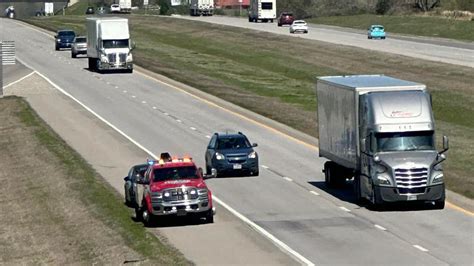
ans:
(288, 199)
(440, 50)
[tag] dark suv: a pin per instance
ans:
(285, 18)
(231, 154)
(64, 39)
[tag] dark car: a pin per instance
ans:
(136, 173)
(64, 39)
(231, 154)
(285, 18)
(90, 10)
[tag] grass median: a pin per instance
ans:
(56, 209)
(275, 75)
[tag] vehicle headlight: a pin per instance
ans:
(438, 178)
(253, 155)
(383, 179)
(193, 192)
(104, 58)
(58, 40)
(129, 57)
(166, 194)
(219, 156)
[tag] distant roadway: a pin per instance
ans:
(434, 49)
(289, 199)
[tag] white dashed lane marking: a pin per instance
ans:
(192, 128)
(264, 166)
(420, 248)
(344, 209)
(314, 192)
(288, 179)
(380, 227)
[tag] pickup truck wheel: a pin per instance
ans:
(57, 48)
(209, 217)
(73, 55)
(148, 218)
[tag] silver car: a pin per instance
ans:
(299, 26)
(79, 46)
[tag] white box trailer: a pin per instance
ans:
(108, 44)
(262, 10)
(380, 131)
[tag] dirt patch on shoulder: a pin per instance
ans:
(43, 218)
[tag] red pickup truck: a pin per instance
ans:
(173, 186)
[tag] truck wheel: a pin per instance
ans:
(97, 66)
(73, 55)
(356, 184)
(147, 217)
(328, 174)
(376, 200)
(57, 48)
(209, 217)
(439, 204)
(91, 64)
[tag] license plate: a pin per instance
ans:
(181, 213)
(237, 166)
(411, 197)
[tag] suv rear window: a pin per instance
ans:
(232, 143)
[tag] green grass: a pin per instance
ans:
(275, 75)
(103, 201)
(409, 25)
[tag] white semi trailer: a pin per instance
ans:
(201, 7)
(380, 131)
(262, 10)
(108, 44)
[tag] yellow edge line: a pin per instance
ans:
(311, 146)
(456, 207)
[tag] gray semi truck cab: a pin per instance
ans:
(380, 131)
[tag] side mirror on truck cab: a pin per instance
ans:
(445, 144)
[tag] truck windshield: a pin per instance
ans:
(175, 173)
(107, 44)
(405, 141)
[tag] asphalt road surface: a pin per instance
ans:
(288, 199)
(441, 50)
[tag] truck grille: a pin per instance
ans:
(122, 57)
(177, 194)
(411, 181)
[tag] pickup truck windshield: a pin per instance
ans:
(175, 173)
(405, 141)
(107, 44)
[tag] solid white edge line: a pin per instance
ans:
(264, 232)
(420, 248)
(18, 80)
(344, 209)
(259, 229)
(314, 192)
(90, 110)
(380, 227)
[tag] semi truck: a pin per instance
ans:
(108, 44)
(380, 132)
(201, 7)
(262, 10)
